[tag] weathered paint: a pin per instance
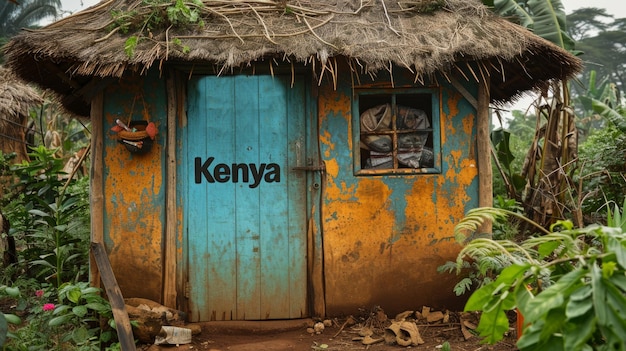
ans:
(246, 242)
(385, 236)
(134, 195)
(381, 238)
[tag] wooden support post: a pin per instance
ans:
(96, 186)
(485, 186)
(124, 329)
(169, 274)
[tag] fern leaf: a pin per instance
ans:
(474, 219)
(463, 286)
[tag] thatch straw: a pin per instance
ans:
(16, 100)
(425, 36)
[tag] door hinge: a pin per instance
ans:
(187, 288)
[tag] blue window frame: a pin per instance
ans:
(396, 131)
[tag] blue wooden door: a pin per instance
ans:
(244, 208)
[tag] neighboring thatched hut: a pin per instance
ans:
(16, 100)
(312, 157)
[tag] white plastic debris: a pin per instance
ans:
(173, 336)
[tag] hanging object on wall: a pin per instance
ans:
(137, 137)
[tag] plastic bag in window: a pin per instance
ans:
(411, 118)
(377, 119)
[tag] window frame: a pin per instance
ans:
(435, 129)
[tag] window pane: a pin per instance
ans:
(396, 131)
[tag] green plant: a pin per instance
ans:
(604, 151)
(603, 159)
(83, 312)
(484, 266)
(553, 150)
(569, 284)
(49, 217)
(74, 316)
(476, 273)
(29, 332)
(8, 318)
(505, 161)
(156, 14)
(506, 229)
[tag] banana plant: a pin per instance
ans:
(549, 159)
(546, 18)
(607, 111)
(603, 99)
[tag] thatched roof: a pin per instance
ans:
(425, 36)
(16, 99)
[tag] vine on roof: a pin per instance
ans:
(155, 14)
(151, 15)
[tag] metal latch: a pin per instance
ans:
(310, 167)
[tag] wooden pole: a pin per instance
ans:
(122, 322)
(483, 147)
(96, 186)
(169, 279)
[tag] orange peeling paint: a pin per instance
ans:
(133, 185)
(332, 168)
(468, 124)
(325, 138)
(366, 207)
(336, 105)
(453, 111)
(453, 103)
(367, 244)
(340, 191)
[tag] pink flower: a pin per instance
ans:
(48, 306)
(39, 293)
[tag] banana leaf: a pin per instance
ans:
(546, 18)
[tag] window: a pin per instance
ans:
(398, 132)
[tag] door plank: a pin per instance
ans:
(195, 217)
(297, 190)
(219, 231)
(246, 150)
(274, 205)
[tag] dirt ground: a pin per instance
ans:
(340, 335)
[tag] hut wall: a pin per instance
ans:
(134, 188)
(385, 235)
(381, 237)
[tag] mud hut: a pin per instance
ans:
(16, 100)
(310, 157)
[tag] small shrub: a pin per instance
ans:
(603, 156)
(49, 219)
(73, 317)
(569, 284)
